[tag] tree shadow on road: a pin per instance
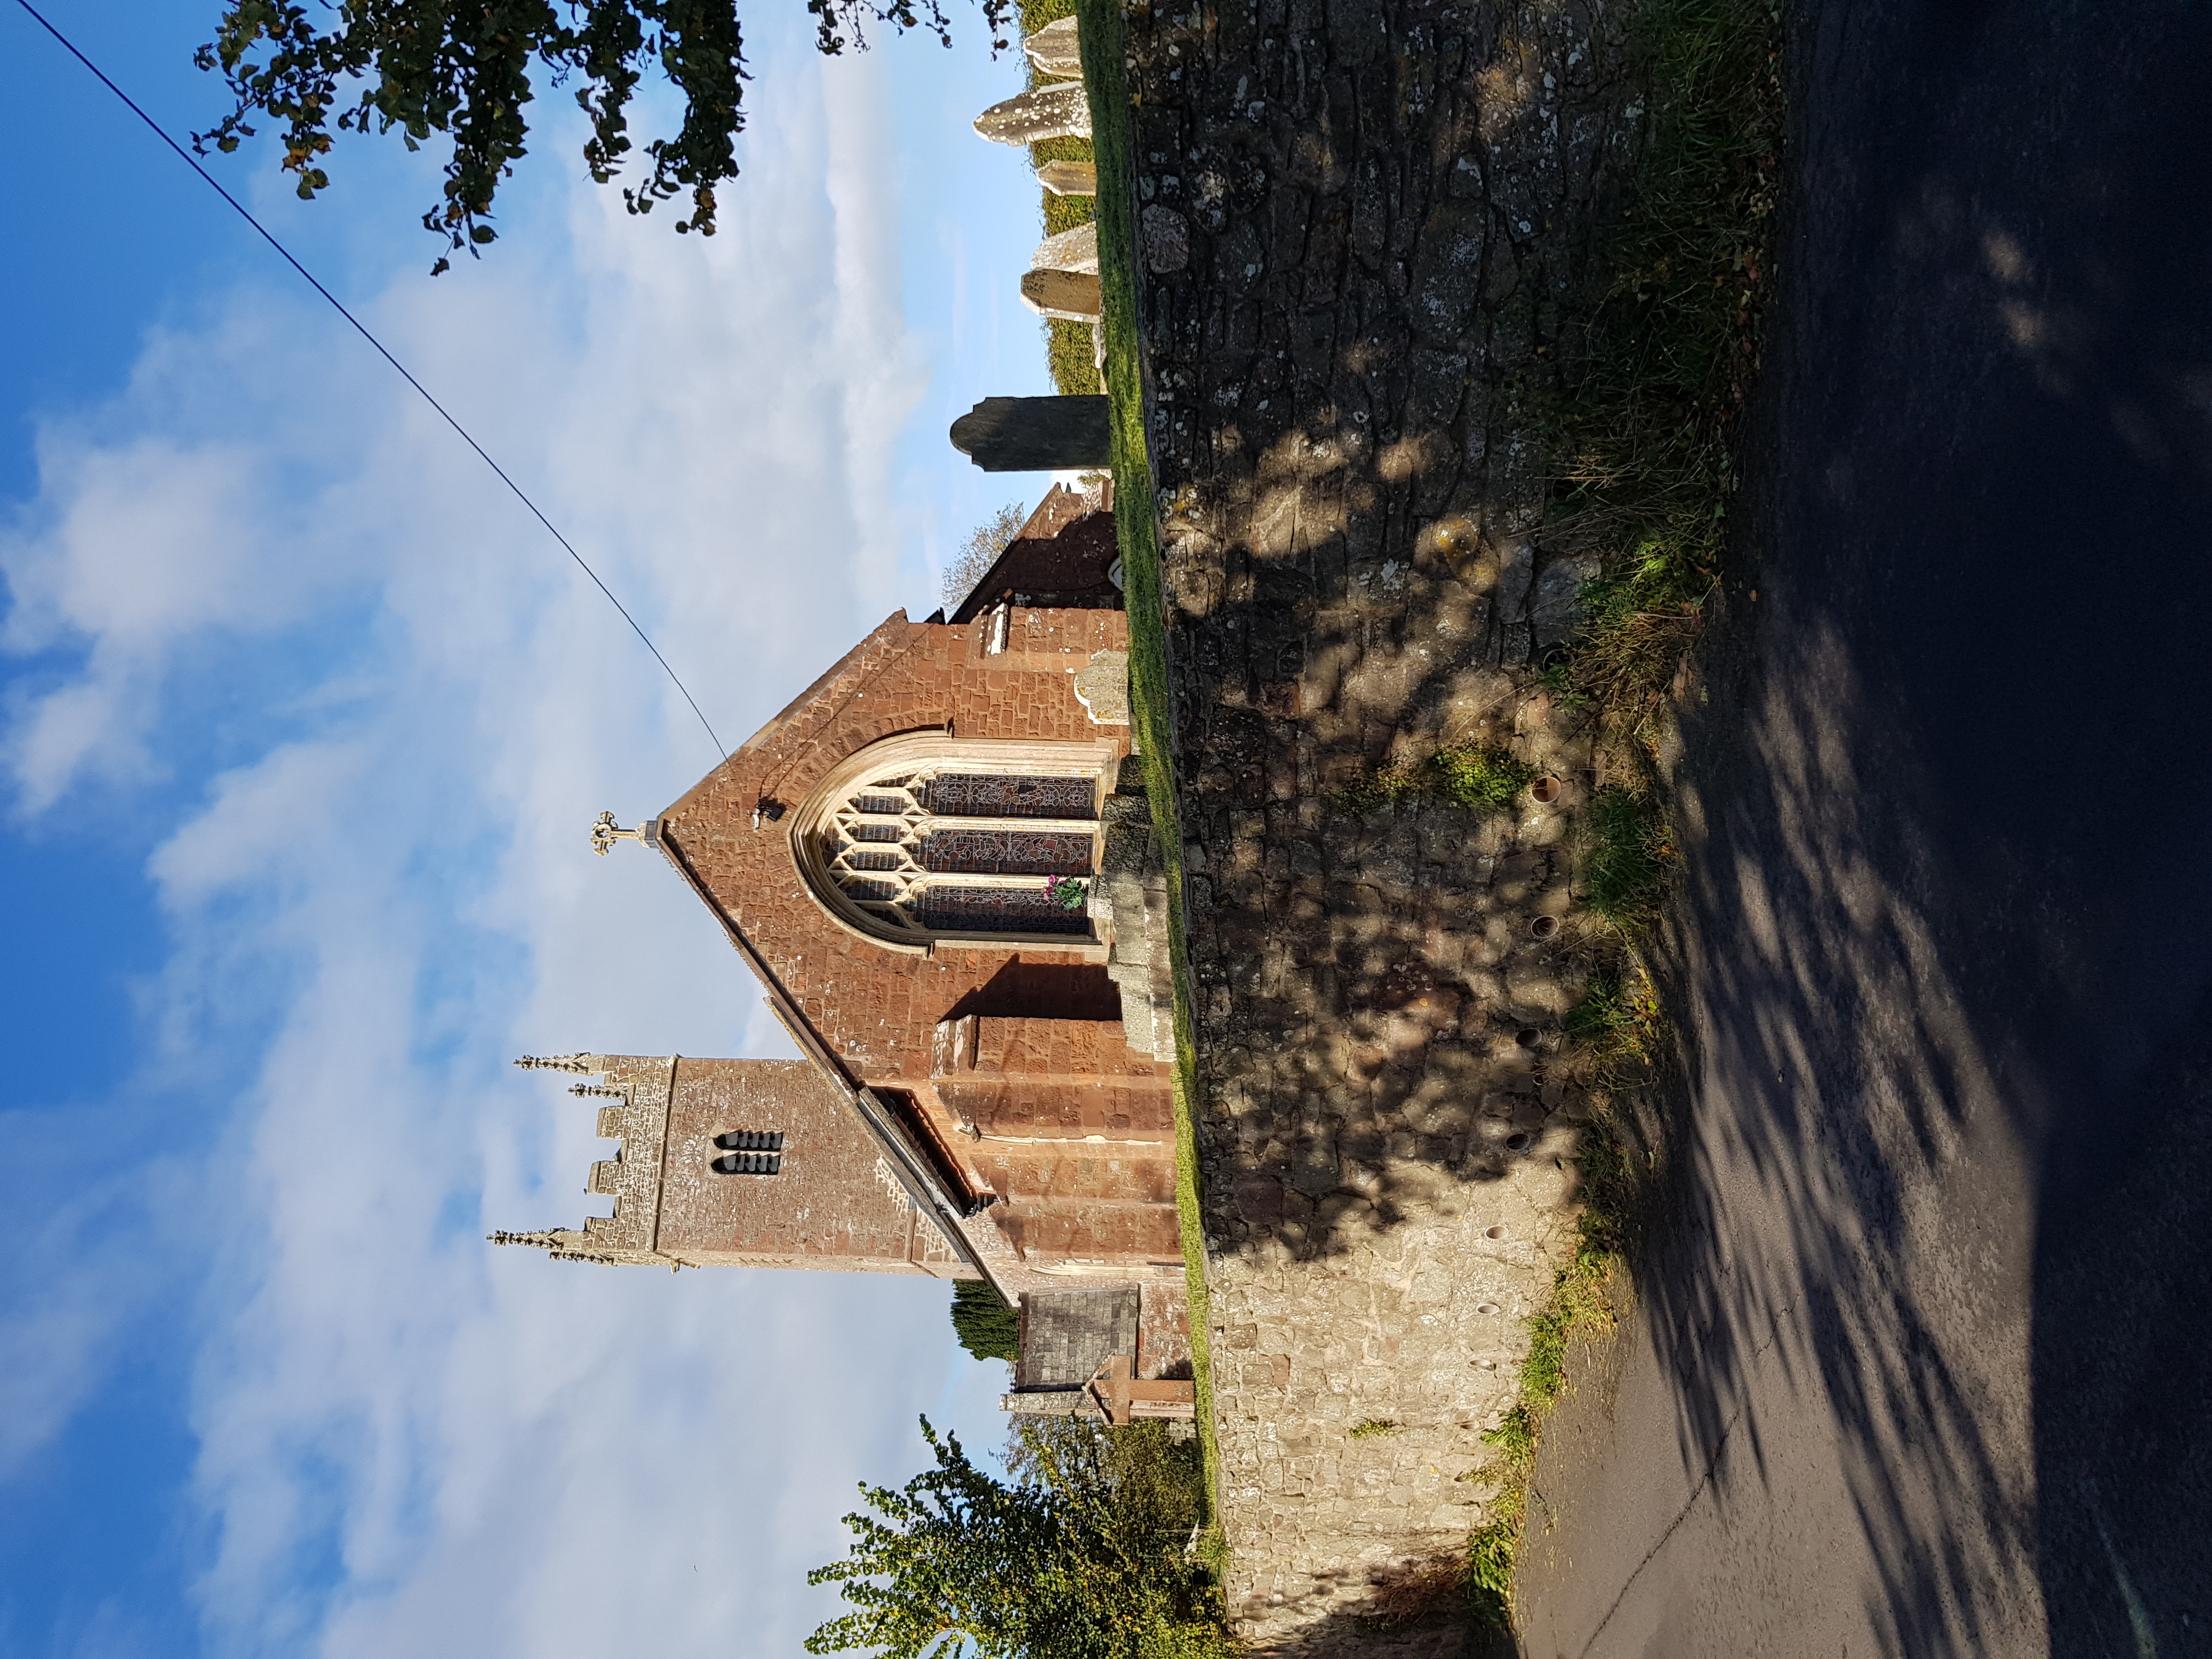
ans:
(1941, 1172)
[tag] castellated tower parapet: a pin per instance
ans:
(636, 1091)
(739, 1162)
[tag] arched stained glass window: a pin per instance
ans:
(920, 838)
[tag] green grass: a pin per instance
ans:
(1630, 849)
(1579, 1302)
(1373, 1428)
(1487, 1581)
(1618, 1025)
(1071, 358)
(1036, 14)
(1487, 779)
(1580, 1305)
(1654, 368)
(1137, 542)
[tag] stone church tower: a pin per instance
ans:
(740, 1164)
(944, 877)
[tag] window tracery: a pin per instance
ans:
(970, 841)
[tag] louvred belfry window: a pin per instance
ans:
(967, 844)
(749, 1151)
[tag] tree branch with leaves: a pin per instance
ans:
(1082, 1556)
(979, 553)
(467, 70)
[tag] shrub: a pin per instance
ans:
(1082, 1556)
(986, 1325)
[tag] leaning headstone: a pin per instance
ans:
(1069, 178)
(1056, 50)
(1058, 111)
(1071, 250)
(1036, 434)
(1069, 295)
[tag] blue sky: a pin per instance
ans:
(302, 724)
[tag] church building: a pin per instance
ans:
(939, 864)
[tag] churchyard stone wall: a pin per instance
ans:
(1349, 223)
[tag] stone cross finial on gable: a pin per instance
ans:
(605, 832)
(555, 1062)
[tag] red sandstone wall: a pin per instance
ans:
(880, 1008)
(1082, 1203)
(1052, 1078)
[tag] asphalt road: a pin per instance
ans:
(1922, 1359)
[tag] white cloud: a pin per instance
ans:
(145, 535)
(57, 1339)
(409, 1442)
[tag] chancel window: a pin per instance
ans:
(749, 1151)
(981, 840)
(926, 852)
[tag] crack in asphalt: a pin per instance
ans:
(1689, 1502)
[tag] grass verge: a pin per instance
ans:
(1618, 1028)
(1582, 1304)
(1629, 848)
(1654, 370)
(1640, 424)
(1137, 536)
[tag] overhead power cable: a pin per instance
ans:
(285, 253)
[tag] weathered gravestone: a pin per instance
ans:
(1071, 296)
(1059, 111)
(1071, 250)
(1036, 435)
(1055, 49)
(1069, 178)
